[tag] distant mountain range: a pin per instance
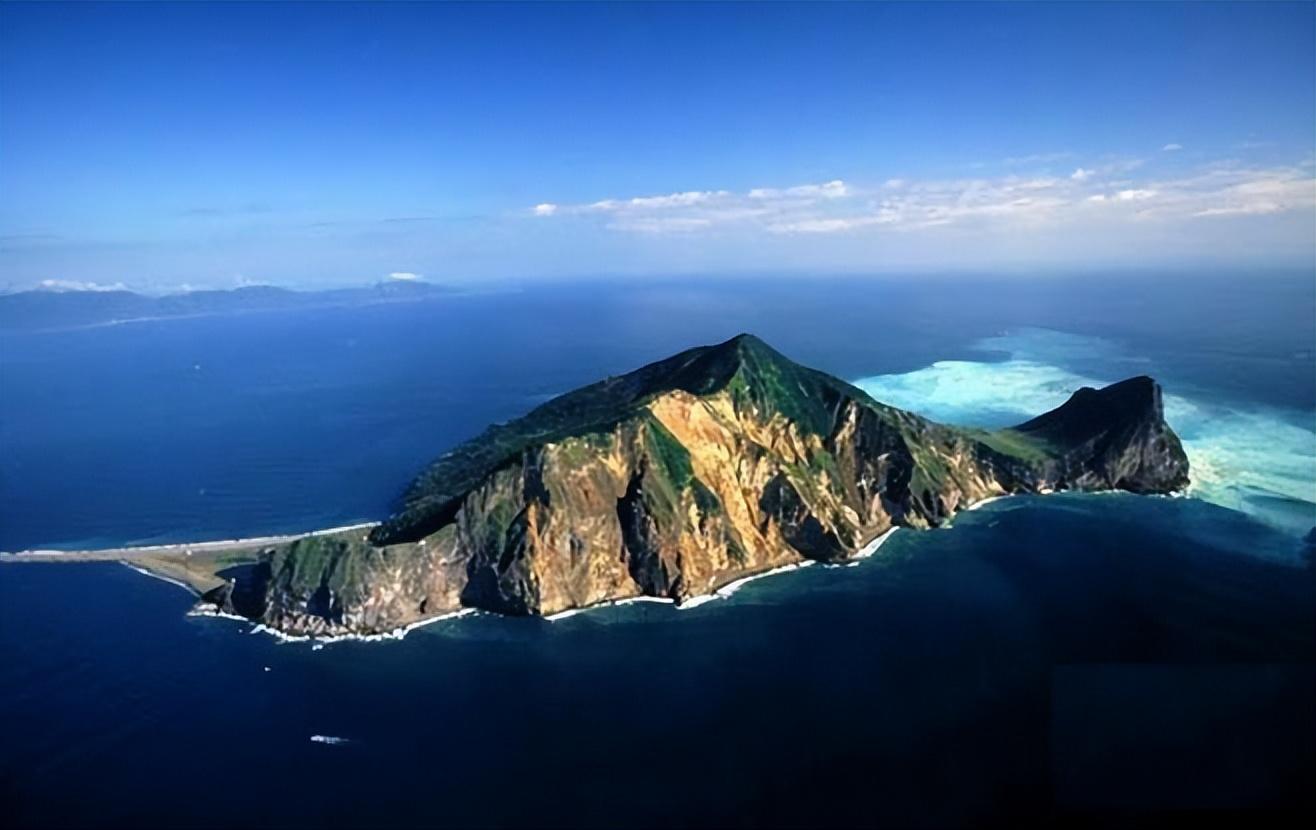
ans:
(46, 309)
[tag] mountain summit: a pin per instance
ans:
(670, 481)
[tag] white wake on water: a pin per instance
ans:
(332, 740)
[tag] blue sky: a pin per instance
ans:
(169, 145)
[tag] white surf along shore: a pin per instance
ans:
(984, 502)
(383, 637)
(161, 577)
(730, 588)
(724, 592)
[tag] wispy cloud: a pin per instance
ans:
(78, 285)
(208, 211)
(1134, 195)
(28, 237)
(1248, 209)
(405, 276)
(696, 210)
(690, 198)
(1171, 147)
(1107, 190)
(1036, 159)
(661, 224)
(834, 189)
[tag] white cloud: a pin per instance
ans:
(1112, 190)
(834, 189)
(885, 216)
(76, 285)
(1036, 158)
(1134, 195)
(664, 224)
(406, 276)
(671, 200)
(1035, 184)
(1259, 192)
(1252, 209)
(1171, 147)
(693, 210)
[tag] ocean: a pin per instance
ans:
(1045, 658)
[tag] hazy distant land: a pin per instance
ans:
(44, 309)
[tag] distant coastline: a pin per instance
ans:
(44, 310)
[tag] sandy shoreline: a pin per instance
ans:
(214, 546)
(161, 577)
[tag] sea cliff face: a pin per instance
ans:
(687, 474)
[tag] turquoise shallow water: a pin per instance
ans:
(1247, 456)
(1046, 657)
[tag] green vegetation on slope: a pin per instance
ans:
(1026, 448)
(669, 472)
(335, 561)
(764, 378)
(758, 379)
(670, 455)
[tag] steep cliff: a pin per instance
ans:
(675, 479)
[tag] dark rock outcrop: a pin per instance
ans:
(1113, 438)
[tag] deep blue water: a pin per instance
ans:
(1057, 657)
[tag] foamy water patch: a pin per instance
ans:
(396, 634)
(212, 611)
(726, 591)
(615, 603)
(871, 548)
(978, 505)
(1255, 459)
